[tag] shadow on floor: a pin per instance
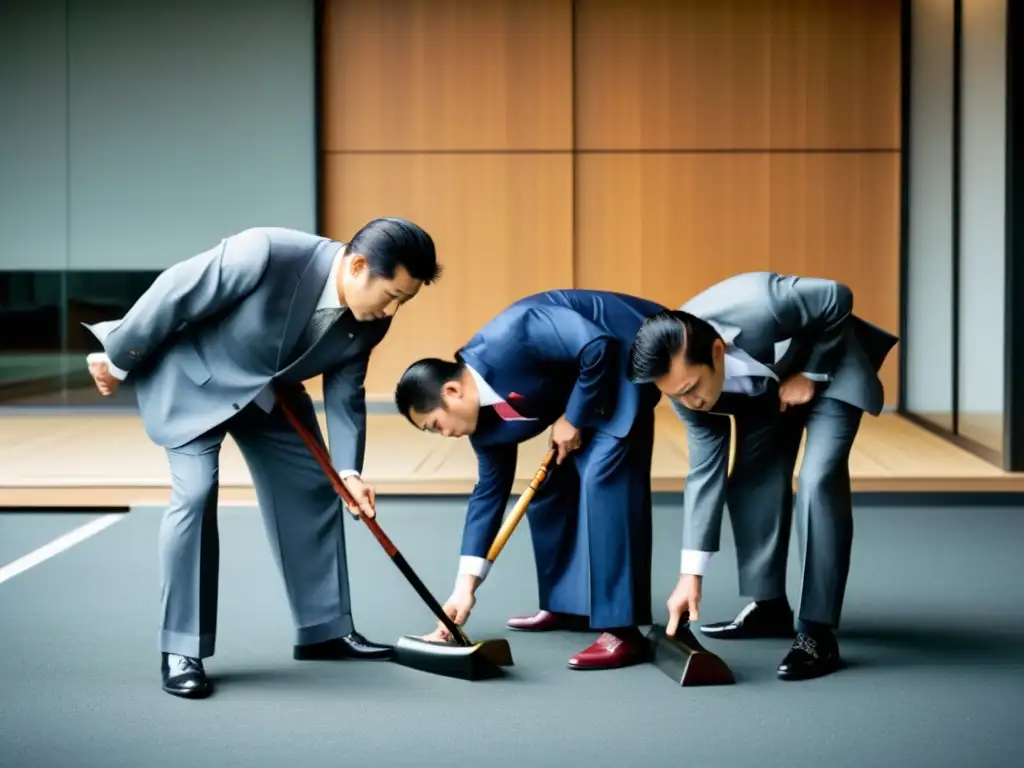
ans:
(972, 644)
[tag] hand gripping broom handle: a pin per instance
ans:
(512, 520)
(320, 454)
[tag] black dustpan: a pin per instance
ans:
(461, 658)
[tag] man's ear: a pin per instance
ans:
(451, 389)
(356, 264)
(718, 351)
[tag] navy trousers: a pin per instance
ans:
(590, 523)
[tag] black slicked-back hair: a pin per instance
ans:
(663, 336)
(419, 387)
(389, 243)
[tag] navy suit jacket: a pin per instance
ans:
(551, 353)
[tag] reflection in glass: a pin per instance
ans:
(30, 337)
(42, 342)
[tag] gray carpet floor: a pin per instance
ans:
(933, 635)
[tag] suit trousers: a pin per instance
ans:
(761, 504)
(302, 516)
(590, 524)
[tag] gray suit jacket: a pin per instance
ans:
(791, 325)
(214, 330)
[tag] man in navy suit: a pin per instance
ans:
(556, 359)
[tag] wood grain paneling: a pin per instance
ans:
(779, 120)
(666, 226)
(751, 74)
(502, 225)
(447, 75)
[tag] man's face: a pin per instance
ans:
(697, 387)
(369, 297)
(456, 417)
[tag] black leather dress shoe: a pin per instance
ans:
(184, 676)
(352, 646)
(756, 620)
(810, 657)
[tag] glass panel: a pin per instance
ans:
(30, 337)
(929, 342)
(37, 365)
(982, 224)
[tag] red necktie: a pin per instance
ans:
(506, 411)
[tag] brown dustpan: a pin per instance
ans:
(682, 658)
(462, 658)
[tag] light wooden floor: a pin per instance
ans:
(61, 459)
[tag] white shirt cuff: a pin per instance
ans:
(474, 566)
(348, 473)
(100, 357)
(821, 377)
(694, 562)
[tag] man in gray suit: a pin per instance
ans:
(206, 347)
(779, 354)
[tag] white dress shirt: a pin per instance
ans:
(329, 299)
(471, 565)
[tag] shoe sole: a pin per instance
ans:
(567, 627)
(343, 658)
(192, 693)
(748, 635)
(622, 665)
(795, 678)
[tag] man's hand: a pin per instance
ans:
(565, 437)
(685, 599)
(458, 607)
(796, 390)
(364, 496)
(106, 382)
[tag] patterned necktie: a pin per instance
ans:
(322, 320)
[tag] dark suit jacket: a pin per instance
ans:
(551, 353)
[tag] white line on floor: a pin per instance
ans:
(58, 545)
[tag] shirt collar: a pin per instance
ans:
(488, 396)
(739, 363)
(329, 296)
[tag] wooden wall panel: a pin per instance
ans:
(447, 75)
(502, 224)
(730, 74)
(680, 140)
(456, 114)
(691, 220)
(736, 136)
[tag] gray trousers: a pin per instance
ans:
(760, 501)
(302, 515)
